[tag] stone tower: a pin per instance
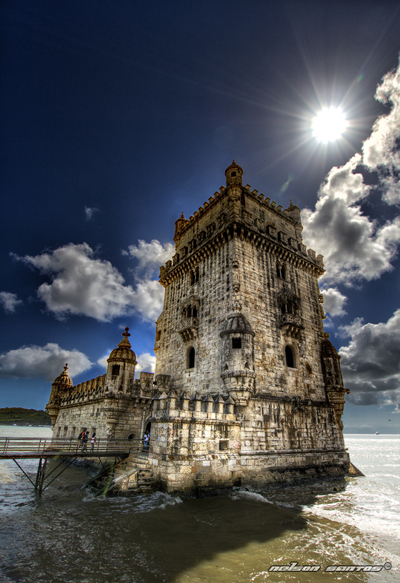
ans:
(241, 332)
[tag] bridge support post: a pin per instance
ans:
(41, 474)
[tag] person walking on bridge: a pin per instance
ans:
(85, 440)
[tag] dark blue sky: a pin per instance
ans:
(117, 116)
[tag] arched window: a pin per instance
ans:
(281, 271)
(115, 370)
(289, 357)
(191, 357)
(194, 312)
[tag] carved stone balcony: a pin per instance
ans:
(188, 328)
(291, 324)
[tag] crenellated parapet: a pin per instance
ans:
(179, 405)
(263, 222)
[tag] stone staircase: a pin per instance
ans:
(134, 475)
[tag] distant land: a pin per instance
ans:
(20, 416)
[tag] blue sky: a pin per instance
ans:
(117, 116)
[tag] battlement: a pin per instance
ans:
(207, 407)
(238, 210)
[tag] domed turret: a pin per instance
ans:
(64, 379)
(238, 358)
(121, 365)
(123, 351)
(234, 175)
(237, 324)
(62, 383)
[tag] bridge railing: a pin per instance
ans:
(9, 445)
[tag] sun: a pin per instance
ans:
(328, 125)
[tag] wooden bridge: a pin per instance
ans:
(65, 451)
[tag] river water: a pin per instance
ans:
(68, 535)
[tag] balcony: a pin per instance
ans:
(188, 328)
(291, 324)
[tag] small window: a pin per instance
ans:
(223, 445)
(191, 357)
(289, 357)
(115, 370)
(233, 173)
(236, 343)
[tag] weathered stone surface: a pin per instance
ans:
(247, 386)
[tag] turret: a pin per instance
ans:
(234, 175)
(61, 384)
(333, 378)
(121, 366)
(180, 224)
(238, 358)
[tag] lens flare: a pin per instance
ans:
(328, 125)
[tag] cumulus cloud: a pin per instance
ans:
(9, 301)
(150, 255)
(103, 360)
(381, 150)
(146, 362)
(149, 293)
(371, 361)
(355, 247)
(334, 301)
(82, 284)
(89, 212)
(42, 362)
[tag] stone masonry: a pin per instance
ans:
(247, 387)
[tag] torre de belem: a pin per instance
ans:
(247, 388)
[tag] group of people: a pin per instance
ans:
(84, 438)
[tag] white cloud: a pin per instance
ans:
(82, 284)
(9, 301)
(353, 245)
(146, 362)
(90, 211)
(334, 301)
(148, 298)
(42, 362)
(149, 293)
(103, 360)
(381, 151)
(150, 255)
(371, 361)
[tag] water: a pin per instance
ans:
(67, 535)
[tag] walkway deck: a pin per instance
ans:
(64, 450)
(32, 447)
